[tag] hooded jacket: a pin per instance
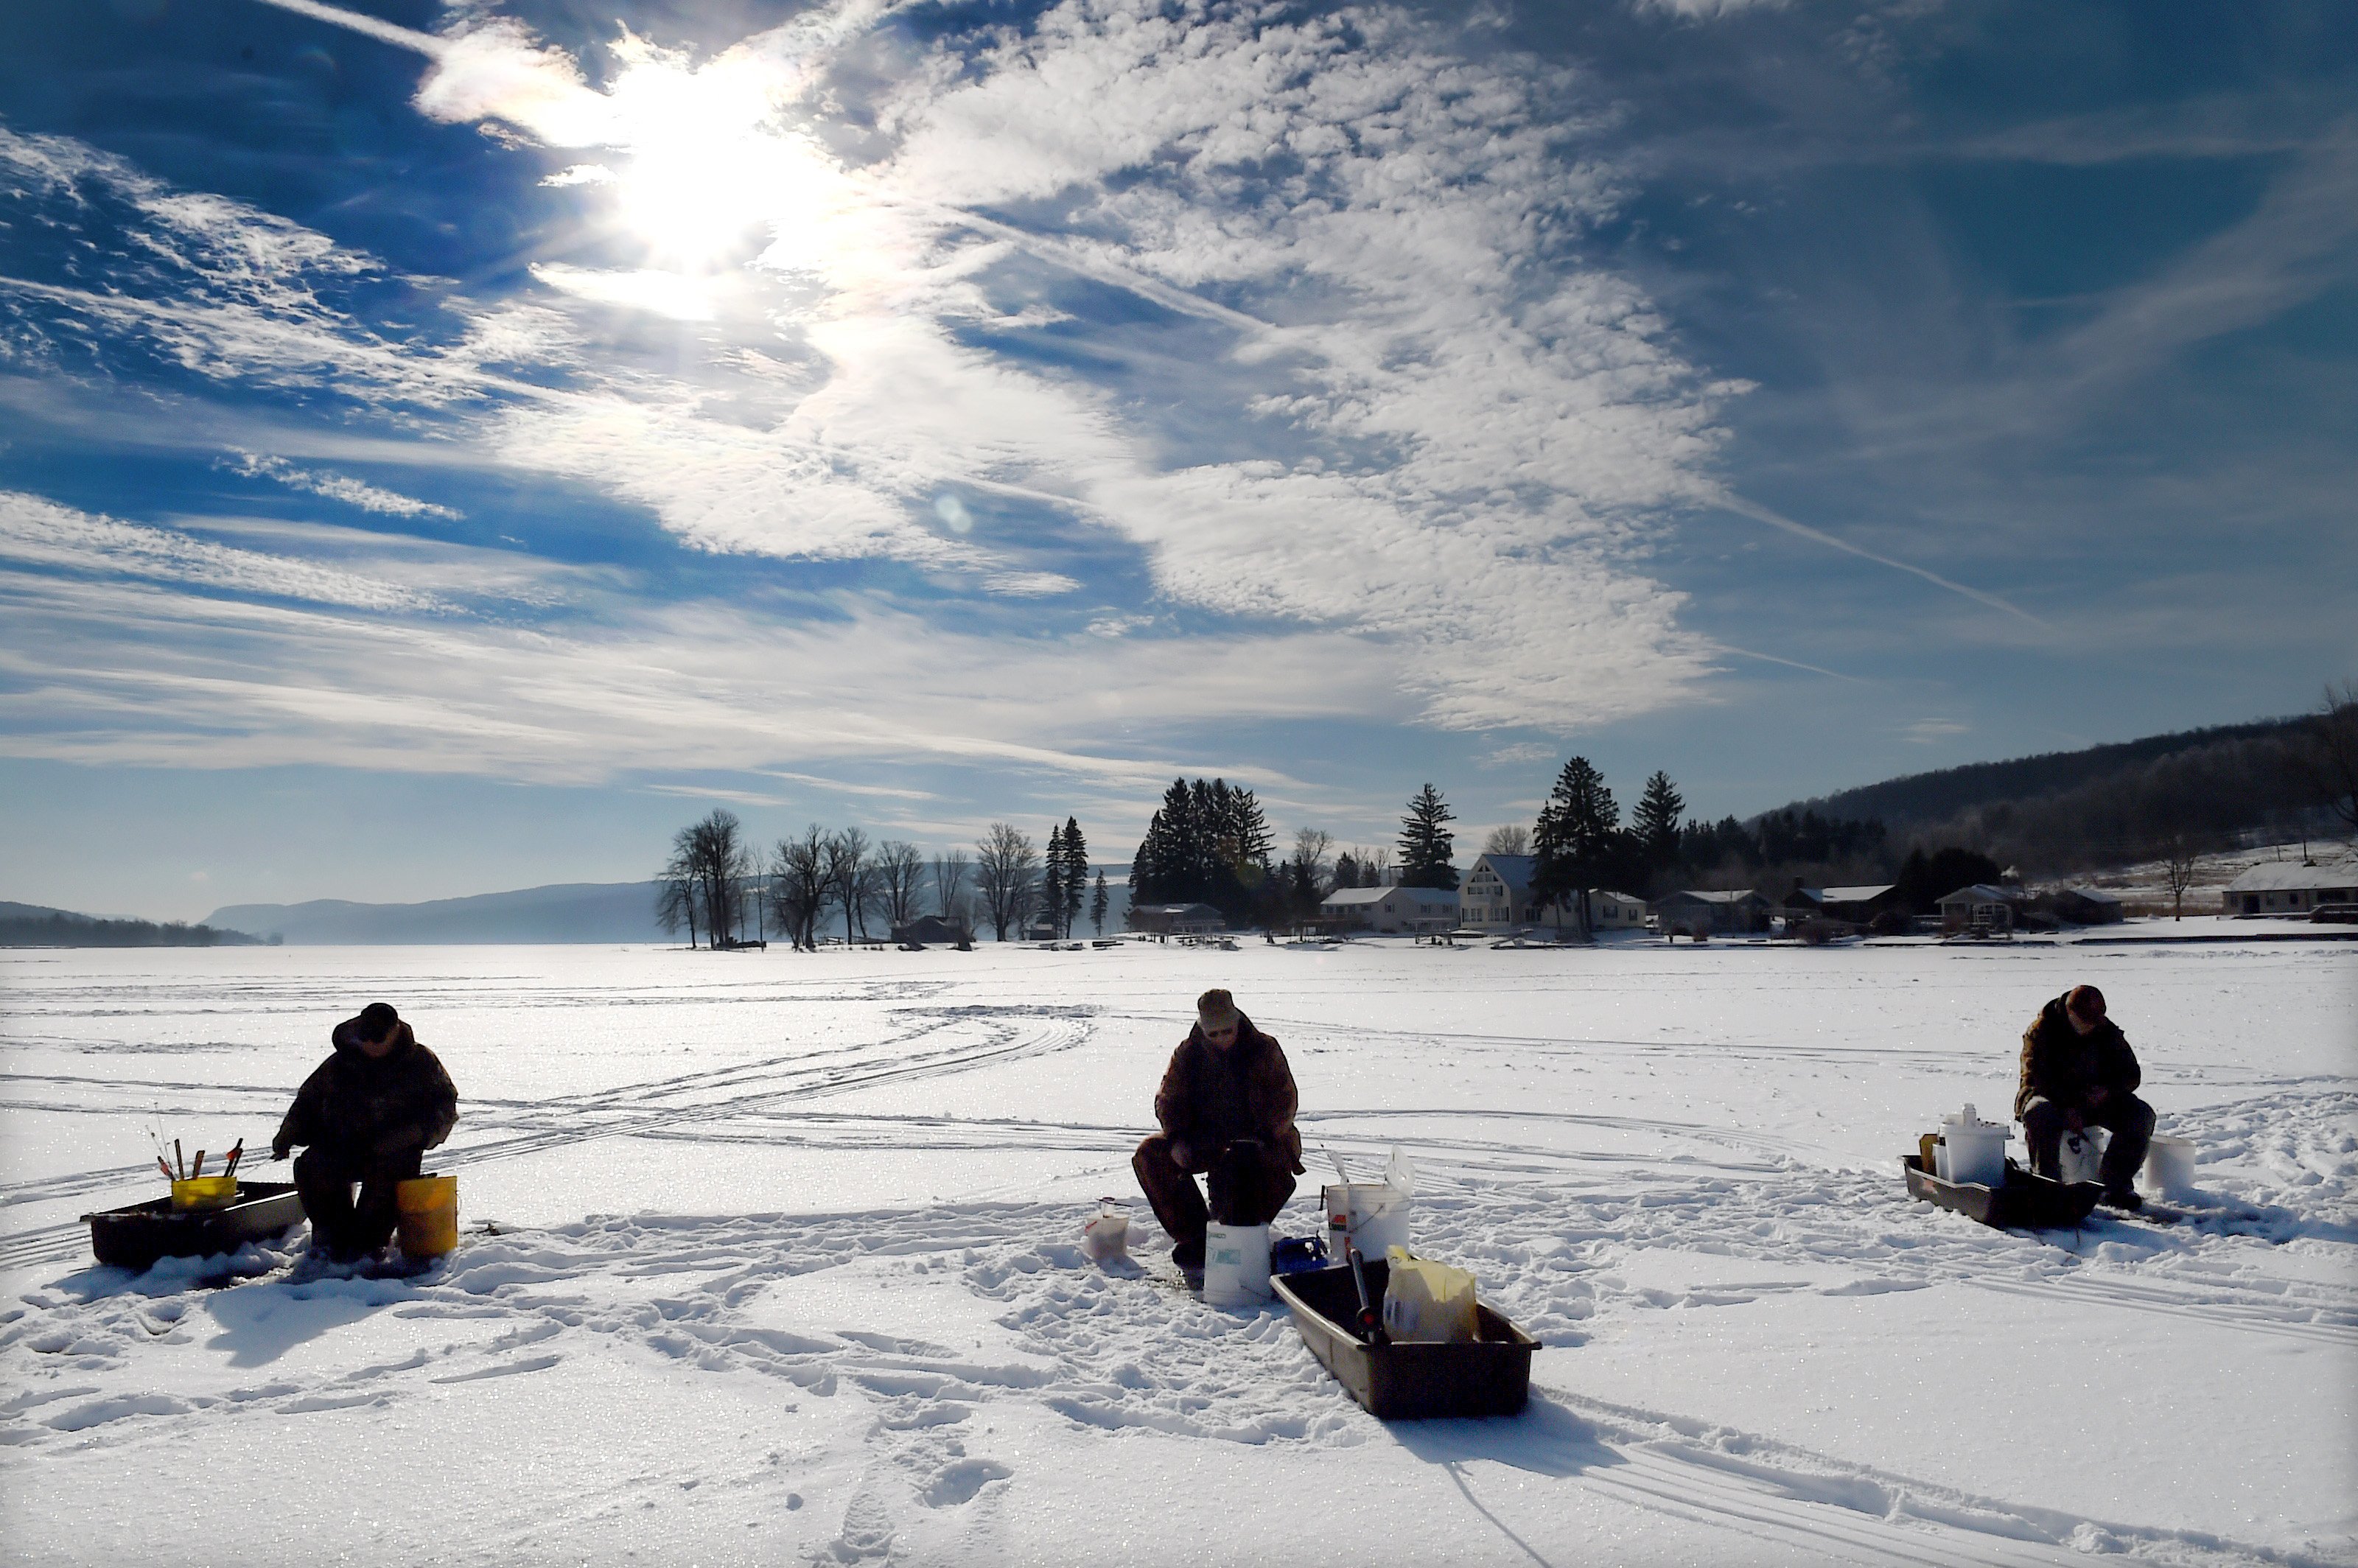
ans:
(373, 1106)
(2061, 1065)
(1211, 1097)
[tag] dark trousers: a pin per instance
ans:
(1250, 1183)
(324, 1175)
(2129, 1118)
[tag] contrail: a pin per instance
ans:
(1795, 663)
(426, 43)
(1727, 502)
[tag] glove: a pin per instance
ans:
(280, 1151)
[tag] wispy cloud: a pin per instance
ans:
(339, 487)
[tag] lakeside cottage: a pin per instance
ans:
(1393, 908)
(1720, 913)
(1177, 919)
(1978, 907)
(2289, 888)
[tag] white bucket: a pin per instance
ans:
(1236, 1264)
(2079, 1157)
(1976, 1152)
(2169, 1167)
(1374, 1215)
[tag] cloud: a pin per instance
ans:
(338, 487)
(39, 532)
(1293, 320)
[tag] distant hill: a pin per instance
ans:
(2106, 804)
(567, 912)
(38, 926)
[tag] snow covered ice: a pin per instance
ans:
(786, 1265)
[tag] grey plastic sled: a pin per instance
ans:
(2024, 1203)
(1487, 1375)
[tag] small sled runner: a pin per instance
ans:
(136, 1237)
(1490, 1375)
(2024, 1202)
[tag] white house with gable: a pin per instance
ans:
(1393, 908)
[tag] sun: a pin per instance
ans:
(708, 163)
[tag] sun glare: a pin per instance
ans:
(706, 164)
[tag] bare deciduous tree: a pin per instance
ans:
(899, 874)
(2332, 763)
(1510, 839)
(710, 859)
(851, 879)
(1006, 870)
(675, 890)
(949, 884)
(2178, 868)
(799, 885)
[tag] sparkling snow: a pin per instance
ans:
(784, 1265)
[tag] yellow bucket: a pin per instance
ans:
(204, 1192)
(430, 1215)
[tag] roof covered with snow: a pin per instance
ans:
(2286, 876)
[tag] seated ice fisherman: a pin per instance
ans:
(368, 1115)
(1227, 1108)
(2078, 1072)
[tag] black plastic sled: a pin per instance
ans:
(1490, 1375)
(136, 1237)
(2024, 1202)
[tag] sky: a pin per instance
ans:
(449, 448)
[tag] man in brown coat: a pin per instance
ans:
(368, 1114)
(2078, 1072)
(1227, 1108)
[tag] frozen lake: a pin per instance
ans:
(787, 1269)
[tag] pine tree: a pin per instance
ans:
(1656, 823)
(1574, 839)
(1054, 871)
(1097, 902)
(1075, 887)
(1425, 841)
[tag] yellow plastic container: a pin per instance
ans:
(430, 1215)
(204, 1192)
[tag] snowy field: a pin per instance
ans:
(784, 1266)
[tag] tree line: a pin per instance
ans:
(728, 892)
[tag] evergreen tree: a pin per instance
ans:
(1097, 902)
(1076, 885)
(1054, 871)
(1576, 837)
(1655, 823)
(1425, 841)
(1207, 843)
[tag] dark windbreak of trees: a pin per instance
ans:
(1207, 843)
(726, 891)
(32, 926)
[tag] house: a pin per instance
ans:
(931, 930)
(1720, 913)
(1177, 919)
(1978, 907)
(2287, 887)
(1497, 896)
(1392, 909)
(1040, 928)
(2082, 906)
(1617, 912)
(1848, 905)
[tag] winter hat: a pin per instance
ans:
(2087, 1001)
(1216, 1009)
(377, 1020)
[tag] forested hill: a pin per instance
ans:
(38, 926)
(2125, 799)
